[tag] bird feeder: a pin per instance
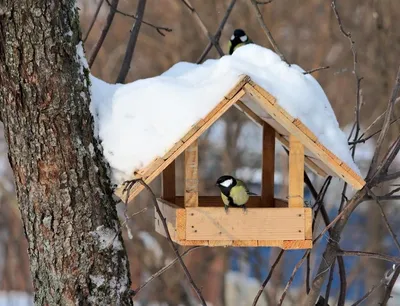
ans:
(201, 220)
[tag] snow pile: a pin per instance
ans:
(142, 120)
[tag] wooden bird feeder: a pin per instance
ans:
(201, 220)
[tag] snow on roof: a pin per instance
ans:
(140, 121)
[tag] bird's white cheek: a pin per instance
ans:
(227, 183)
(243, 38)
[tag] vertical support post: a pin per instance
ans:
(268, 166)
(296, 172)
(168, 183)
(191, 196)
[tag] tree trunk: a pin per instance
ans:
(75, 248)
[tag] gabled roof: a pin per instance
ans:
(260, 106)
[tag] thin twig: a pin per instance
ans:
(162, 270)
(203, 26)
(384, 257)
(329, 285)
(366, 295)
(394, 236)
(159, 29)
(296, 268)
(175, 249)
(218, 33)
(316, 69)
(130, 48)
(266, 280)
(267, 31)
(104, 32)
(385, 127)
(93, 20)
(390, 286)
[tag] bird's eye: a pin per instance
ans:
(243, 38)
(232, 37)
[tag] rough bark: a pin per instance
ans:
(76, 253)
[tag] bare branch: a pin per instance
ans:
(266, 280)
(267, 31)
(385, 127)
(356, 75)
(162, 270)
(390, 286)
(315, 70)
(384, 257)
(129, 185)
(296, 268)
(390, 177)
(202, 26)
(394, 236)
(104, 32)
(329, 285)
(93, 20)
(130, 48)
(365, 296)
(159, 29)
(218, 33)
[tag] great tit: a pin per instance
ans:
(239, 38)
(234, 192)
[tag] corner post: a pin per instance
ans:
(191, 195)
(296, 173)
(268, 166)
(168, 183)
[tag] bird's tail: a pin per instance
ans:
(251, 193)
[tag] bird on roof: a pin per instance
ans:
(239, 38)
(234, 192)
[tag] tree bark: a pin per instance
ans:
(75, 248)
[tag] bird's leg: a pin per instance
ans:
(244, 209)
(226, 209)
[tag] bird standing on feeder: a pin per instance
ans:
(234, 192)
(239, 38)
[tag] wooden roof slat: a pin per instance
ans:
(217, 112)
(268, 102)
(259, 106)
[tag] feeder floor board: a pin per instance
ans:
(287, 228)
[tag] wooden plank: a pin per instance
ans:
(268, 166)
(181, 224)
(192, 242)
(249, 113)
(305, 130)
(216, 201)
(296, 173)
(168, 183)
(256, 119)
(220, 243)
(221, 110)
(213, 223)
(354, 180)
(173, 149)
(239, 85)
(146, 171)
(169, 212)
(286, 244)
(244, 243)
(297, 245)
(308, 223)
(193, 130)
(191, 165)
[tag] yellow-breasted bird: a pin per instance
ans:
(234, 192)
(239, 38)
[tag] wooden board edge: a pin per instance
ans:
(308, 235)
(139, 187)
(315, 147)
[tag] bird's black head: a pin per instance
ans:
(226, 181)
(239, 37)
